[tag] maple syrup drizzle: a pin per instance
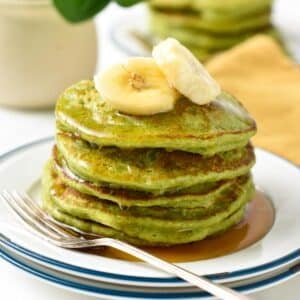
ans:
(257, 222)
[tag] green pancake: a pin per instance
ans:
(200, 53)
(203, 39)
(135, 223)
(233, 7)
(219, 126)
(200, 196)
(84, 225)
(223, 26)
(105, 231)
(151, 170)
(216, 203)
(207, 27)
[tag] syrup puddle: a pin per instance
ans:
(256, 224)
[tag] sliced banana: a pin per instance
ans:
(184, 72)
(136, 87)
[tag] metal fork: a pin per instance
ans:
(62, 236)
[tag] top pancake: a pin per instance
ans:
(219, 126)
(207, 24)
(237, 7)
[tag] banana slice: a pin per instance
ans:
(136, 87)
(184, 72)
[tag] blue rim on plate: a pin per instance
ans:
(284, 260)
(134, 294)
(80, 270)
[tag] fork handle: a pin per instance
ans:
(215, 289)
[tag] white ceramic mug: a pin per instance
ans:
(41, 54)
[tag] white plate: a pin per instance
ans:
(276, 176)
(111, 291)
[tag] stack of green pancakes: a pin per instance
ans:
(209, 26)
(166, 179)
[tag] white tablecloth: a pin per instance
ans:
(19, 127)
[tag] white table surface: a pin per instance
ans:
(19, 127)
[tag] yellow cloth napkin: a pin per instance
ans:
(267, 82)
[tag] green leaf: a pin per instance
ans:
(127, 2)
(79, 10)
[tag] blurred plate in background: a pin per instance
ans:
(130, 33)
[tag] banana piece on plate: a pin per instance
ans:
(137, 87)
(184, 72)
